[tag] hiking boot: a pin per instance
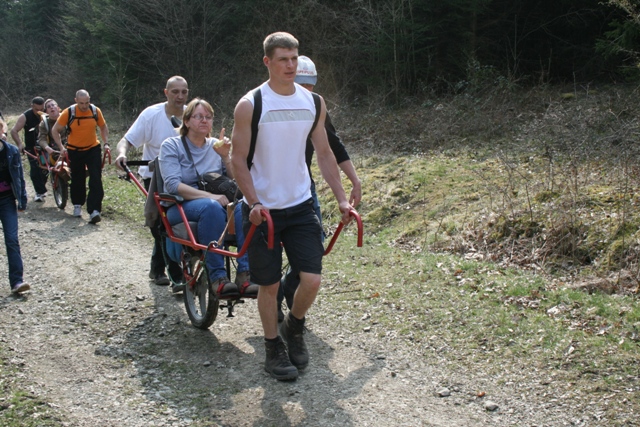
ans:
(246, 288)
(277, 362)
(77, 211)
(225, 288)
(95, 217)
(161, 280)
(291, 331)
(20, 287)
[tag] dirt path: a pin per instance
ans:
(104, 346)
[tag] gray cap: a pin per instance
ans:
(306, 73)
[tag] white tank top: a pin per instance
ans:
(279, 172)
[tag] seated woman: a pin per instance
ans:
(207, 209)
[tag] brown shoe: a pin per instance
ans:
(291, 331)
(246, 288)
(226, 289)
(277, 362)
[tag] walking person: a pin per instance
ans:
(85, 154)
(149, 130)
(13, 198)
(307, 77)
(29, 121)
(273, 176)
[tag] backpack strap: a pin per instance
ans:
(72, 115)
(318, 104)
(255, 120)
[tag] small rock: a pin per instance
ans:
(490, 406)
(443, 392)
(140, 297)
(207, 363)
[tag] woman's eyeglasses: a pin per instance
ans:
(202, 118)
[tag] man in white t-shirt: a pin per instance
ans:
(149, 130)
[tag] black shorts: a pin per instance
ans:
(297, 229)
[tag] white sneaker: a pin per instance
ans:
(38, 198)
(77, 211)
(94, 218)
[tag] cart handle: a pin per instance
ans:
(107, 153)
(212, 246)
(131, 177)
(354, 214)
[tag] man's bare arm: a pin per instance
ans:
(240, 144)
(15, 131)
(104, 133)
(55, 134)
(122, 149)
(356, 186)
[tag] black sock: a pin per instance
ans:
(295, 320)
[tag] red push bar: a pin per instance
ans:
(354, 214)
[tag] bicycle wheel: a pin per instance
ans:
(60, 190)
(200, 298)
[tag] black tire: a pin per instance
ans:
(60, 190)
(200, 299)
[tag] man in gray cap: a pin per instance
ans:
(307, 77)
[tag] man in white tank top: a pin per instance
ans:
(278, 182)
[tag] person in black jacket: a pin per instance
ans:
(307, 77)
(30, 121)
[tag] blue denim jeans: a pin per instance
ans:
(9, 219)
(211, 218)
(243, 261)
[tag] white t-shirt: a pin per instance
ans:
(149, 130)
(279, 172)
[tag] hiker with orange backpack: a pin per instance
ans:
(84, 151)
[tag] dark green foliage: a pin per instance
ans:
(386, 51)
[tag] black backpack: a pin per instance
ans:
(255, 120)
(73, 118)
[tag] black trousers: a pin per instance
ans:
(82, 163)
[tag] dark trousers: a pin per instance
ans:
(157, 258)
(37, 174)
(81, 163)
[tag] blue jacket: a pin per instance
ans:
(17, 174)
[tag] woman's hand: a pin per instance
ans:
(220, 198)
(223, 145)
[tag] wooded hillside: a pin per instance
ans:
(382, 51)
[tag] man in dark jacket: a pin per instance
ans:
(30, 121)
(307, 77)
